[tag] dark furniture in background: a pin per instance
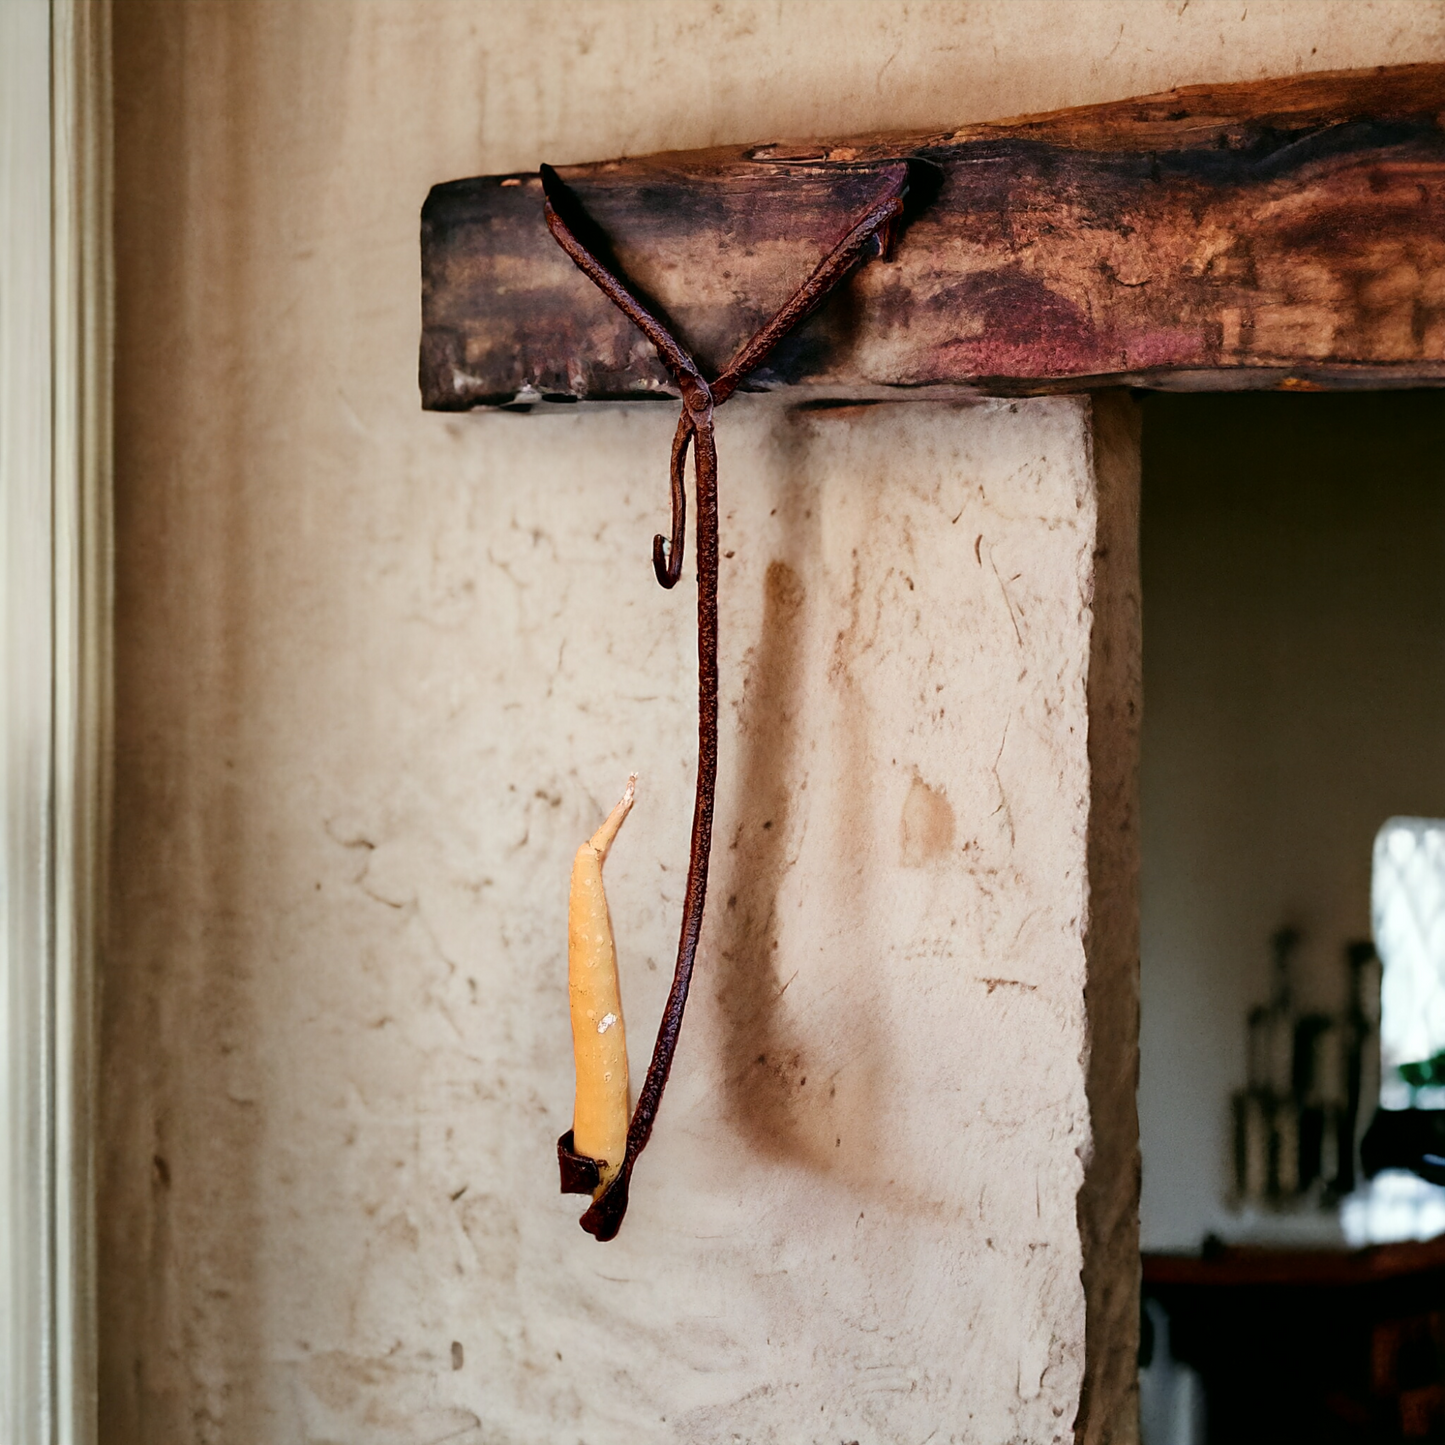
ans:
(1311, 1345)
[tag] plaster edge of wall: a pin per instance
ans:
(1108, 1203)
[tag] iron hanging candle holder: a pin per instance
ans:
(869, 235)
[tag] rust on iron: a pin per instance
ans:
(581, 1174)
(568, 223)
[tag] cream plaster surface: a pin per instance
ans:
(857, 1217)
(378, 672)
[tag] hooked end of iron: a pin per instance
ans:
(665, 566)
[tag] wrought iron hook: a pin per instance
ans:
(667, 551)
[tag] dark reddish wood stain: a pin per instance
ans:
(1245, 1266)
(1280, 232)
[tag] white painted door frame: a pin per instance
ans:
(55, 349)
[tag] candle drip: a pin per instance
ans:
(868, 236)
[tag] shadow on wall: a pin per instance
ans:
(769, 1066)
(784, 1053)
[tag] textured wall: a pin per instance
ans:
(380, 671)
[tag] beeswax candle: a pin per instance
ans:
(599, 1038)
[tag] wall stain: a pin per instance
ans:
(926, 829)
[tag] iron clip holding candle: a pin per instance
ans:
(585, 1151)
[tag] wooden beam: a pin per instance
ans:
(1281, 233)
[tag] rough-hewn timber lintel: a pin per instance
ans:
(1280, 233)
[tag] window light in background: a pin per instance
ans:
(1407, 906)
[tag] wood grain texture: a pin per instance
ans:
(1280, 233)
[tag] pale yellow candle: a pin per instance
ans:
(599, 1040)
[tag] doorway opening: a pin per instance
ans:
(1293, 563)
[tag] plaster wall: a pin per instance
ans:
(379, 672)
(859, 1214)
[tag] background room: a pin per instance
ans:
(1293, 548)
